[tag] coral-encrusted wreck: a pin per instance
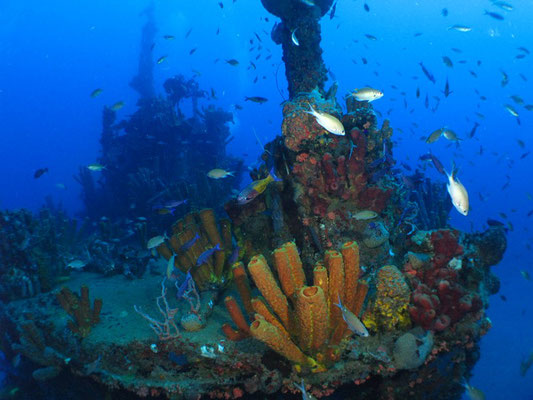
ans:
(340, 226)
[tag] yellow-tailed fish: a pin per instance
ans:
(294, 38)
(450, 135)
(328, 122)
(457, 193)
(96, 93)
(161, 59)
(511, 110)
(95, 167)
(473, 393)
(460, 28)
(367, 94)
(305, 395)
(365, 215)
(76, 264)
(435, 135)
(218, 173)
(117, 106)
(156, 241)
(170, 267)
(255, 188)
(352, 320)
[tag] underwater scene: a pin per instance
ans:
(266, 199)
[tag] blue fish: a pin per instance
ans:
(206, 254)
(188, 244)
(183, 286)
(234, 256)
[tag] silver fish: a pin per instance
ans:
(354, 323)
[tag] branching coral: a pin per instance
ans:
(300, 322)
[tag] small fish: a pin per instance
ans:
(428, 74)
(353, 322)
(434, 136)
(367, 94)
(473, 131)
(511, 110)
(95, 167)
(169, 37)
(332, 12)
(525, 364)
(161, 59)
(175, 203)
(364, 215)
(77, 264)
(165, 211)
(505, 78)
(473, 393)
(40, 172)
(255, 188)
(494, 15)
(183, 287)
(503, 5)
(436, 163)
(366, 7)
(156, 241)
(202, 258)
(189, 243)
(444, 12)
(457, 193)
(232, 62)
(526, 275)
(171, 267)
(460, 28)
(447, 61)
(60, 186)
(301, 387)
(447, 90)
(294, 38)
(327, 121)
(370, 37)
(309, 3)
(117, 106)
(256, 99)
(450, 135)
(218, 173)
(96, 92)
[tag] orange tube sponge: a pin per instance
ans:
(267, 333)
(360, 295)
(225, 227)
(284, 270)
(350, 256)
(207, 216)
(295, 263)
(261, 309)
(265, 282)
(312, 317)
(164, 251)
(335, 265)
(320, 278)
(243, 286)
(236, 314)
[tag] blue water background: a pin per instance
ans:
(54, 53)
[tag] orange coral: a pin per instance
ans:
(194, 234)
(301, 322)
